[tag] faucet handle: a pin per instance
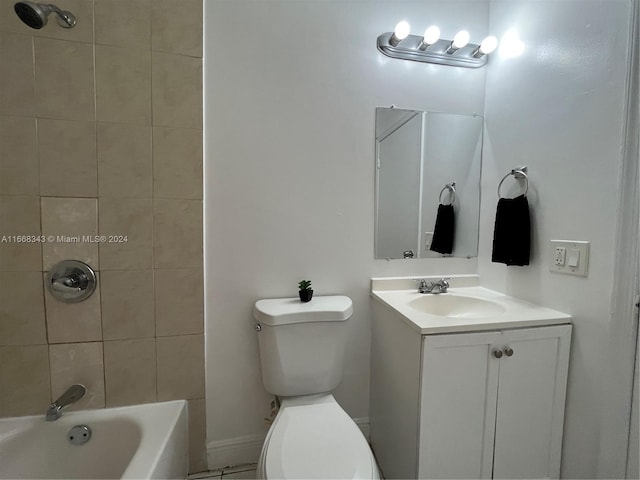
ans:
(423, 286)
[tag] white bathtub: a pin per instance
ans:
(141, 441)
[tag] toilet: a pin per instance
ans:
(301, 352)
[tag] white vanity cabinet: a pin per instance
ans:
(492, 403)
(485, 404)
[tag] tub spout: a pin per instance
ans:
(72, 395)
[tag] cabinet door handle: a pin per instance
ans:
(497, 353)
(508, 351)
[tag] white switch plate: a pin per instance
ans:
(568, 247)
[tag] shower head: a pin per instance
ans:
(36, 14)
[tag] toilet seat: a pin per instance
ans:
(315, 440)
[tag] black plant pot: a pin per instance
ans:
(305, 295)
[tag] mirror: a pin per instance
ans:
(426, 161)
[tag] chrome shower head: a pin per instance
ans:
(35, 15)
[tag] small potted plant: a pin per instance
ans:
(306, 292)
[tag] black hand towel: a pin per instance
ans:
(442, 241)
(512, 232)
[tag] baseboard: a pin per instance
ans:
(234, 451)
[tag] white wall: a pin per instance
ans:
(559, 109)
(290, 93)
(290, 96)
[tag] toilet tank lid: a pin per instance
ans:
(282, 311)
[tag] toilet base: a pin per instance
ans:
(313, 437)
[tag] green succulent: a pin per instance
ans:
(304, 285)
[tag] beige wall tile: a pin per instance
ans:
(132, 217)
(123, 85)
(177, 163)
(177, 33)
(69, 217)
(50, 74)
(24, 380)
(64, 80)
(20, 215)
(124, 23)
(130, 371)
(67, 152)
(127, 304)
(22, 309)
(180, 367)
(124, 160)
(197, 435)
(179, 301)
(17, 87)
(177, 90)
(82, 363)
(177, 233)
(74, 322)
(18, 156)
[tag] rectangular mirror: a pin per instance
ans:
(427, 169)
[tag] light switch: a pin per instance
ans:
(573, 257)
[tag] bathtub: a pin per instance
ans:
(140, 441)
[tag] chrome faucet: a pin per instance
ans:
(72, 395)
(435, 288)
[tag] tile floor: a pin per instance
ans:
(239, 472)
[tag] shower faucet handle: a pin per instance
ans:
(71, 281)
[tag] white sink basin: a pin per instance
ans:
(456, 306)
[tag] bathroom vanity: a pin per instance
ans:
(466, 384)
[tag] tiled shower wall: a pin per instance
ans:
(101, 134)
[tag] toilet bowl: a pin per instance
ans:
(302, 349)
(313, 437)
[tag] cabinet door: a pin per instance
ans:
(531, 397)
(457, 409)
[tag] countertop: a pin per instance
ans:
(515, 313)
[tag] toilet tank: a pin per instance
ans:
(302, 344)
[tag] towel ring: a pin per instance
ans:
(519, 172)
(452, 193)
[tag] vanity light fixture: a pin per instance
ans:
(430, 48)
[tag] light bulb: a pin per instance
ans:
(488, 45)
(431, 35)
(402, 30)
(461, 39)
(400, 33)
(511, 45)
